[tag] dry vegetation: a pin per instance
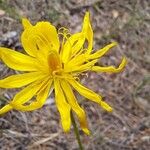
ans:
(127, 128)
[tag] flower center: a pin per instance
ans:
(54, 63)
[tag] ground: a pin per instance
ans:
(127, 127)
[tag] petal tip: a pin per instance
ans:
(86, 131)
(110, 109)
(124, 60)
(87, 14)
(86, 18)
(66, 126)
(122, 64)
(114, 43)
(5, 109)
(106, 106)
(26, 23)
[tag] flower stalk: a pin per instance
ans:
(76, 131)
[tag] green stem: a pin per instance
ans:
(76, 131)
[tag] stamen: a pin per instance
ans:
(64, 32)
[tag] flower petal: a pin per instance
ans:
(81, 68)
(50, 33)
(5, 109)
(102, 51)
(26, 23)
(77, 60)
(111, 69)
(87, 30)
(26, 94)
(73, 45)
(89, 94)
(22, 97)
(18, 61)
(43, 31)
(63, 107)
(40, 99)
(75, 106)
(19, 80)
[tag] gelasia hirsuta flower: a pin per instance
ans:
(53, 60)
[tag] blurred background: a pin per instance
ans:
(127, 128)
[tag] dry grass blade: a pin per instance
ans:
(44, 140)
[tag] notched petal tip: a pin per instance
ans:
(26, 23)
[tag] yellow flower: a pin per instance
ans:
(54, 61)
